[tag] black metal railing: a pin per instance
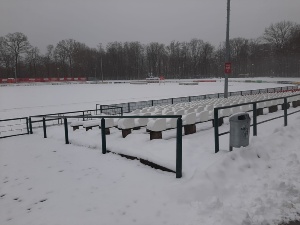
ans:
(14, 127)
(36, 121)
(109, 110)
(103, 135)
(131, 106)
(254, 110)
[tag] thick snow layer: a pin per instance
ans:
(44, 181)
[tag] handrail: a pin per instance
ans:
(254, 110)
(12, 135)
(178, 133)
(130, 106)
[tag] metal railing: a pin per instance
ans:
(14, 127)
(103, 133)
(254, 110)
(109, 110)
(37, 118)
(131, 106)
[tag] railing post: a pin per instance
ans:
(83, 115)
(27, 125)
(152, 102)
(30, 126)
(179, 149)
(44, 127)
(189, 98)
(103, 136)
(216, 128)
(254, 119)
(66, 131)
(285, 111)
(128, 107)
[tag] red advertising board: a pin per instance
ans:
(227, 68)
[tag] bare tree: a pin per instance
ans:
(279, 34)
(32, 59)
(16, 44)
(65, 50)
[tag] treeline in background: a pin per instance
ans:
(275, 53)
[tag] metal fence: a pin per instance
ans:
(36, 121)
(109, 110)
(131, 106)
(254, 110)
(103, 133)
(14, 127)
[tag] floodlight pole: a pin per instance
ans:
(227, 54)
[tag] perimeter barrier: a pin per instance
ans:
(285, 115)
(14, 127)
(131, 106)
(119, 109)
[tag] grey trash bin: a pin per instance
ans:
(239, 130)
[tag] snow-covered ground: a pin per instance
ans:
(44, 181)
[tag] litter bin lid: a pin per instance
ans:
(239, 116)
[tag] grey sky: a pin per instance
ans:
(102, 21)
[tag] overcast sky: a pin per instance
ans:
(102, 21)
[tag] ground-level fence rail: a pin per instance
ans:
(131, 106)
(103, 135)
(14, 127)
(36, 121)
(254, 124)
(109, 110)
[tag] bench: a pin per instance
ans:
(76, 124)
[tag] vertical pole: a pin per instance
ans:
(189, 98)
(103, 136)
(216, 127)
(27, 125)
(30, 126)
(254, 120)
(83, 115)
(101, 70)
(179, 149)
(152, 102)
(66, 131)
(227, 56)
(285, 111)
(128, 107)
(44, 127)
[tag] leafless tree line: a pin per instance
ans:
(275, 53)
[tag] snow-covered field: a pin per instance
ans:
(44, 181)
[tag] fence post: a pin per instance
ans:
(254, 119)
(128, 107)
(30, 126)
(285, 111)
(216, 127)
(152, 102)
(83, 115)
(103, 136)
(189, 98)
(66, 131)
(27, 125)
(179, 149)
(44, 127)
